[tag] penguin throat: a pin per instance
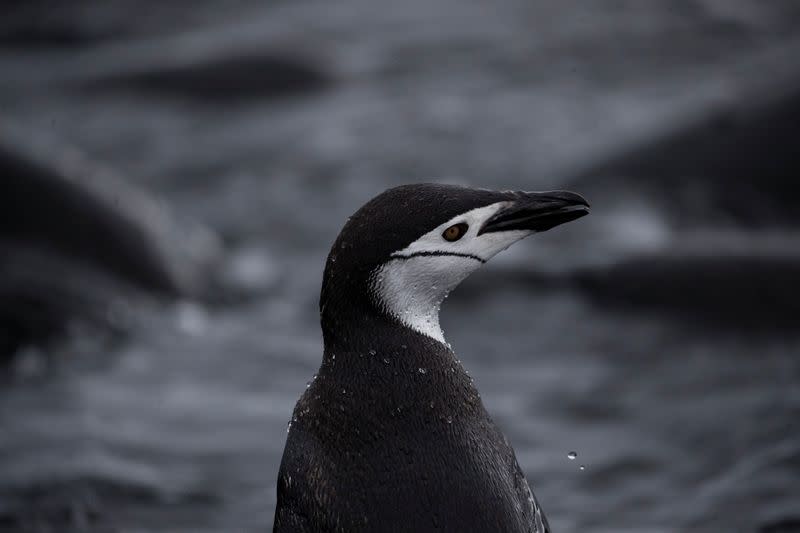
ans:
(411, 290)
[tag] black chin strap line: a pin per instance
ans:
(437, 253)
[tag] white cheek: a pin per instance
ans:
(413, 289)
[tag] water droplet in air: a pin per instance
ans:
(288, 426)
(344, 391)
(373, 352)
(583, 467)
(422, 371)
(386, 360)
(572, 455)
(403, 346)
(431, 405)
(449, 419)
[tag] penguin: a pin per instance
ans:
(391, 435)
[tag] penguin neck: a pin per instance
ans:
(365, 343)
(371, 329)
(380, 347)
(356, 322)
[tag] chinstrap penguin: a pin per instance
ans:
(391, 434)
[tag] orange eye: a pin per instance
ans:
(455, 232)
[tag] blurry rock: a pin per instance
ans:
(228, 79)
(755, 291)
(782, 525)
(734, 160)
(75, 239)
(50, 24)
(46, 35)
(723, 180)
(44, 294)
(83, 212)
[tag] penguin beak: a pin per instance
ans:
(537, 211)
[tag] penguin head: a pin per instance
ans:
(399, 256)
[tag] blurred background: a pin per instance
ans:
(173, 175)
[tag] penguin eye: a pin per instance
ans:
(455, 232)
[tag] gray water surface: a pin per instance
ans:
(180, 424)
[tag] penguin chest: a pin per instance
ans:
(416, 468)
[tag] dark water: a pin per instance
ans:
(680, 398)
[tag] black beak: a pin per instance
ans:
(537, 211)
